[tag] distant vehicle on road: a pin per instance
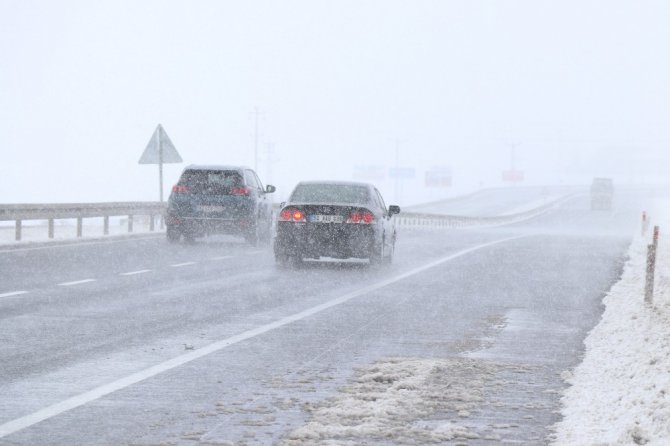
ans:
(602, 192)
(335, 219)
(219, 200)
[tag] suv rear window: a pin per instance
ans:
(211, 181)
(330, 193)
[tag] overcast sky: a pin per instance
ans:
(583, 87)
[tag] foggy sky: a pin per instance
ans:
(583, 88)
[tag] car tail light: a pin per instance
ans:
(292, 215)
(239, 191)
(361, 217)
(180, 189)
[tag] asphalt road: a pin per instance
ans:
(141, 342)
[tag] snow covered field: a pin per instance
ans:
(620, 393)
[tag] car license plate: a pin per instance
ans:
(316, 218)
(211, 209)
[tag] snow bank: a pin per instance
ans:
(620, 393)
(401, 399)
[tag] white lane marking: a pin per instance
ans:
(177, 265)
(80, 244)
(132, 273)
(13, 293)
(221, 258)
(101, 391)
(251, 253)
(76, 282)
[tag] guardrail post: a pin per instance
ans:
(645, 223)
(18, 230)
(130, 223)
(151, 222)
(651, 268)
(105, 225)
(80, 224)
(50, 224)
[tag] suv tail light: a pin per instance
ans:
(361, 217)
(292, 215)
(180, 189)
(239, 191)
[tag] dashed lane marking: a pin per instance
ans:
(132, 273)
(101, 391)
(177, 265)
(76, 282)
(13, 293)
(222, 258)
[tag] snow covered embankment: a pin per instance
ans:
(620, 393)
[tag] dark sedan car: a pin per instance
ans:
(335, 219)
(219, 200)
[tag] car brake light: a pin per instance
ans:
(363, 217)
(239, 191)
(292, 215)
(180, 189)
(298, 216)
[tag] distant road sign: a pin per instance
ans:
(512, 176)
(402, 173)
(160, 149)
(369, 172)
(438, 177)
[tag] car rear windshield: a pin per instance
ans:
(211, 181)
(330, 193)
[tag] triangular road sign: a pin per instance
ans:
(160, 142)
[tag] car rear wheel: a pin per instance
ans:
(377, 255)
(251, 235)
(173, 234)
(390, 254)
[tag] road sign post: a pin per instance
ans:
(160, 150)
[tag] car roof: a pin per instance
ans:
(214, 167)
(338, 183)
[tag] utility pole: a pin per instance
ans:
(397, 168)
(256, 118)
(160, 165)
(270, 159)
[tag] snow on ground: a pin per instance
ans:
(620, 393)
(412, 401)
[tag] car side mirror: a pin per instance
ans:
(393, 209)
(269, 189)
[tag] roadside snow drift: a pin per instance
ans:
(620, 394)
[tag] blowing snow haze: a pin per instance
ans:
(579, 88)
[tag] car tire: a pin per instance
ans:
(189, 239)
(251, 235)
(173, 234)
(265, 237)
(377, 255)
(390, 254)
(282, 260)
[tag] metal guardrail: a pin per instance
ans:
(51, 212)
(414, 219)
